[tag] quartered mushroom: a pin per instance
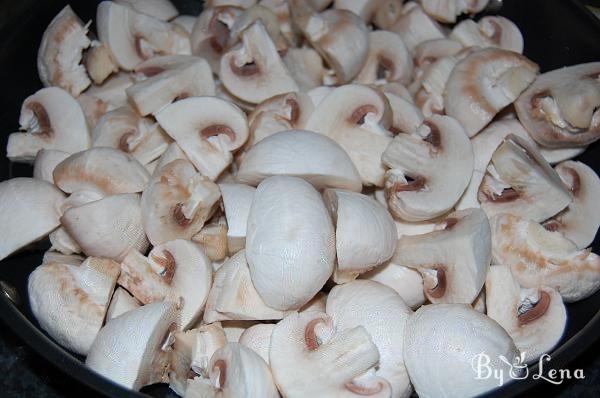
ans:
(446, 11)
(309, 356)
(537, 257)
(300, 153)
(534, 318)
(490, 31)
(60, 53)
(485, 82)
(305, 66)
(407, 282)
(31, 209)
(132, 349)
(290, 242)
(388, 59)
(560, 109)
(365, 233)
(99, 62)
(112, 91)
(415, 26)
(429, 170)
(70, 301)
(237, 199)
(444, 339)
(258, 339)
(46, 161)
(161, 9)
(120, 303)
(50, 119)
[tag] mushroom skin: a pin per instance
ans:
(534, 318)
(46, 161)
(258, 339)
(444, 339)
(306, 67)
(489, 31)
(120, 303)
(237, 199)
(407, 282)
(290, 242)
(388, 59)
(537, 257)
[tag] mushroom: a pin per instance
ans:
(490, 31)
(30, 209)
(318, 94)
(560, 109)
(62, 242)
(290, 242)
(46, 161)
(365, 233)
(387, 13)
(70, 301)
(310, 357)
(66, 259)
(50, 119)
(237, 199)
(258, 338)
(316, 304)
(212, 238)
(407, 282)
(479, 304)
(446, 11)
(364, 9)
(60, 53)
(429, 51)
(485, 82)
(108, 227)
(406, 117)
(121, 303)
(160, 9)
(93, 108)
(521, 182)
(177, 271)
(388, 59)
(534, 318)
(130, 350)
(99, 62)
(537, 257)
(447, 340)
(305, 66)
(452, 260)
(397, 89)
(234, 3)
(177, 202)
(300, 153)
(186, 22)
(172, 153)
(252, 14)
(354, 304)
(207, 129)
(414, 26)
(234, 329)
(253, 70)
(429, 170)
(112, 91)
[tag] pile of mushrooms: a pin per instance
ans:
(303, 198)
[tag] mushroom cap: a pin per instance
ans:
(438, 158)
(537, 257)
(60, 53)
(490, 31)
(237, 199)
(107, 171)
(354, 304)
(290, 242)
(534, 318)
(485, 82)
(50, 119)
(560, 108)
(46, 161)
(258, 338)
(407, 282)
(415, 26)
(30, 209)
(453, 260)
(120, 303)
(429, 51)
(306, 67)
(388, 59)
(444, 339)
(161, 9)
(300, 153)
(177, 202)
(365, 233)
(128, 349)
(108, 227)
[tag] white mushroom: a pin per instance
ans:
(429, 51)
(387, 13)
(212, 238)
(490, 31)
(99, 62)
(363, 8)
(406, 116)
(446, 11)
(237, 199)
(234, 3)
(161, 9)
(46, 161)
(93, 108)
(172, 153)
(258, 338)
(234, 329)
(388, 59)
(306, 67)
(267, 17)
(112, 91)
(407, 282)
(62, 242)
(414, 26)
(120, 303)
(316, 304)
(67, 259)
(186, 22)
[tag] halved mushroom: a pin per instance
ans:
(237, 199)
(50, 119)
(290, 242)
(429, 170)
(365, 233)
(388, 59)
(354, 304)
(490, 31)
(134, 37)
(387, 13)
(534, 318)
(306, 67)
(414, 26)
(30, 209)
(161, 9)
(177, 202)
(60, 52)
(446, 11)
(309, 356)
(446, 340)
(406, 117)
(407, 282)
(253, 71)
(485, 82)
(121, 303)
(560, 109)
(521, 182)
(99, 62)
(46, 161)
(112, 91)
(70, 301)
(258, 338)
(132, 349)
(207, 129)
(538, 257)
(314, 157)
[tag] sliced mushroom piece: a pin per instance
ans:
(485, 82)
(234, 3)
(406, 116)
(161, 9)
(491, 31)
(99, 62)
(173, 152)
(300, 153)
(446, 11)
(387, 13)
(560, 109)
(177, 202)
(237, 199)
(429, 170)
(60, 53)
(427, 52)
(112, 91)
(407, 282)
(93, 108)
(62, 242)
(364, 9)
(46, 161)
(290, 242)
(186, 22)
(534, 318)
(388, 59)
(212, 238)
(354, 304)
(396, 89)
(253, 14)
(308, 346)
(258, 339)
(121, 303)
(316, 304)
(70, 301)
(446, 340)
(66, 259)
(415, 26)
(521, 182)
(50, 119)
(234, 329)
(130, 350)
(538, 257)
(365, 233)
(306, 67)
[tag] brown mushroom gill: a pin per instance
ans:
(43, 120)
(507, 195)
(294, 110)
(246, 70)
(220, 32)
(535, 312)
(168, 264)
(358, 116)
(179, 217)
(440, 288)
(217, 129)
(221, 365)
(124, 141)
(385, 68)
(310, 337)
(412, 184)
(362, 390)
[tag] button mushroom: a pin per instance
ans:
(237, 199)
(446, 11)
(99, 62)
(306, 67)
(490, 31)
(415, 26)
(161, 9)
(46, 161)
(258, 338)
(407, 282)
(112, 91)
(120, 303)
(388, 59)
